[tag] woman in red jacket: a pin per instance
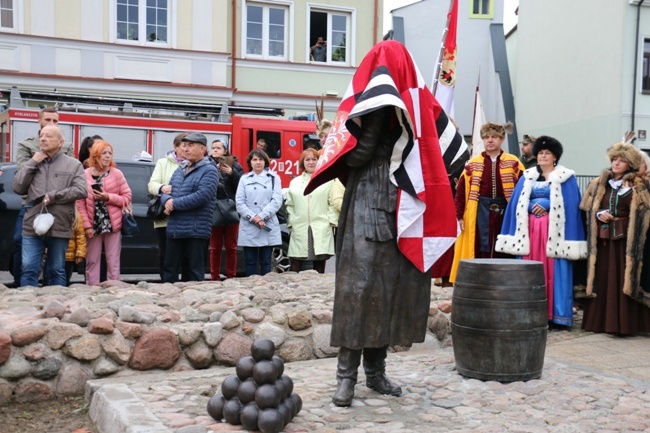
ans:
(108, 195)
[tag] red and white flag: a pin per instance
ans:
(479, 120)
(388, 76)
(447, 75)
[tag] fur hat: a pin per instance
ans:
(323, 126)
(498, 129)
(548, 143)
(528, 139)
(627, 152)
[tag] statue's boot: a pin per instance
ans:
(346, 376)
(374, 364)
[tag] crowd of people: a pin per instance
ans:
(528, 207)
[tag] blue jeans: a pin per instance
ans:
(18, 246)
(255, 255)
(33, 248)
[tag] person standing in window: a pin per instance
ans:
(258, 199)
(318, 51)
(101, 211)
(231, 171)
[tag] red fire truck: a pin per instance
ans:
(133, 126)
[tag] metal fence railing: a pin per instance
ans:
(583, 182)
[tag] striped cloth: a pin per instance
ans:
(387, 76)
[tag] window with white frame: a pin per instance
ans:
(329, 36)
(142, 21)
(267, 31)
(481, 9)
(7, 15)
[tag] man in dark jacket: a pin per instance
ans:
(55, 181)
(190, 206)
(25, 150)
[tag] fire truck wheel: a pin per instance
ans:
(279, 259)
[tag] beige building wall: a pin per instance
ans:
(71, 45)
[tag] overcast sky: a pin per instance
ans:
(509, 18)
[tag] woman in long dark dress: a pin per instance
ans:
(618, 214)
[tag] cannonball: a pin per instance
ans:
(285, 412)
(265, 372)
(232, 411)
(229, 386)
(298, 401)
(278, 363)
(267, 396)
(244, 367)
(262, 348)
(291, 404)
(282, 389)
(246, 392)
(249, 416)
(215, 406)
(270, 421)
(288, 383)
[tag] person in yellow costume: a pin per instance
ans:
(482, 194)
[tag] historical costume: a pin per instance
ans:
(397, 214)
(618, 305)
(483, 192)
(553, 236)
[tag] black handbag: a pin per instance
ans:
(155, 209)
(225, 213)
(129, 224)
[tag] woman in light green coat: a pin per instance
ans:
(158, 184)
(311, 218)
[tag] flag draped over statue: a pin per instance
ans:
(388, 76)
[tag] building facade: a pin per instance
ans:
(209, 51)
(424, 23)
(582, 74)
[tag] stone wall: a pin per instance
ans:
(54, 339)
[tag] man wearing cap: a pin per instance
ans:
(482, 194)
(53, 182)
(527, 158)
(190, 205)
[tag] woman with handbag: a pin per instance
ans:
(311, 218)
(258, 199)
(543, 223)
(617, 204)
(108, 196)
(159, 184)
(225, 230)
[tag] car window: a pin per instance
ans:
(137, 176)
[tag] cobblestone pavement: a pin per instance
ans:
(582, 389)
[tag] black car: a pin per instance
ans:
(140, 252)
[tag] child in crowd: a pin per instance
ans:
(76, 252)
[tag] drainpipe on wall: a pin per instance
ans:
(636, 62)
(376, 20)
(233, 74)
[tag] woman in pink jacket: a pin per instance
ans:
(108, 195)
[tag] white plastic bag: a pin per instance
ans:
(43, 222)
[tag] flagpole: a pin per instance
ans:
(438, 65)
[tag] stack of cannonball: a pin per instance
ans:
(260, 396)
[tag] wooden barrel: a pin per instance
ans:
(499, 319)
